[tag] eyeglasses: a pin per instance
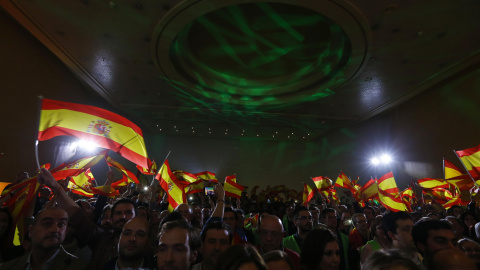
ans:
(302, 218)
(271, 234)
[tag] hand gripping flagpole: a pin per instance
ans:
(40, 98)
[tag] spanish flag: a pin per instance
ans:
(130, 175)
(150, 170)
(344, 182)
(455, 177)
(389, 195)
(431, 183)
(174, 188)
(186, 176)
(369, 191)
(322, 183)
(207, 176)
(471, 159)
(308, 194)
(78, 166)
(194, 187)
(99, 126)
(232, 188)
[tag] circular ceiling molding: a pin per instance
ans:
(260, 53)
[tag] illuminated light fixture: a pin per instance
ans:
(177, 130)
(385, 158)
(258, 135)
(145, 188)
(86, 145)
(288, 137)
(209, 132)
(157, 125)
(160, 129)
(225, 133)
(190, 198)
(192, 127)
(174, 126)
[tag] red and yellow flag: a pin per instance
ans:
(471, 159)
(430, 183)
(188, 177)
(308, 194)
(96, 125)
(344, 182)
(456, 200)
(132, 178)
(232, 188)
(207, 176)
(368, 192)
(78, 166)
(194, 187)
(388, 193)
(455, 177)
(174, 188)
(150, 170)
(322, 183)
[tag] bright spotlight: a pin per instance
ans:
(386, 158)
(375, 161)
(145, 188)
(86, 145)
(190, 198)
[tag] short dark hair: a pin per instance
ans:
(194, 240)
(389, 221)
(229, 209)
(236, 255)
(216, 225)
(369, 208)
(297, 211)
(421, 229)
(326, 211)
(126, 201)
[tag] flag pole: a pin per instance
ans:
(40, 98)
(471, 177)
(169, 151)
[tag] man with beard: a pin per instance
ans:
(303, 222)
(102, 242)
(133, 245)
(216, 238)
(177, 245)
(47, 233)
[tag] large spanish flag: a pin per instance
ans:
(96, 125)
(232, 188)
(387, 184)
(174, 188)
(471, 159)
(186, 176)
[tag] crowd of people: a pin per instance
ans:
(138, 230)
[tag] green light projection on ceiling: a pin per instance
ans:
(258, 53)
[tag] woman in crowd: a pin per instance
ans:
(320, 251)
(380, 240)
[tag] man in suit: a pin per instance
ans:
(47, 233)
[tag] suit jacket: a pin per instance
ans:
(63, 260)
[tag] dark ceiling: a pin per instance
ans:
(281, 70)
